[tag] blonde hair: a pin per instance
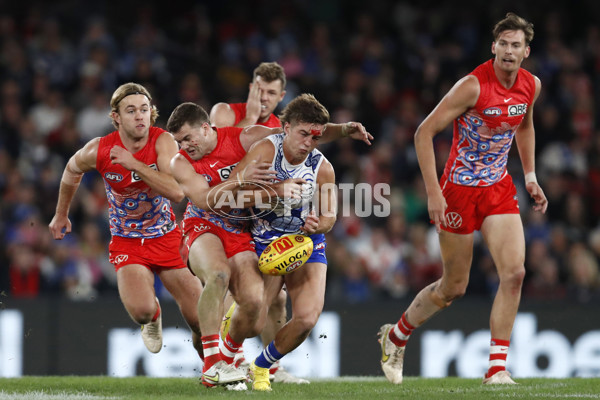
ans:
(125, 90)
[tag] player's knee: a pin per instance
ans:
(220, 278)
(513, 277)
(142, 313)
(444, 297)
(307, 321)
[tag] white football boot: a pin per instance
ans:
(152, 333)
(222, 373)
(281, 375)
(499, 378)
(392, 356)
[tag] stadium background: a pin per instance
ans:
(384, 63)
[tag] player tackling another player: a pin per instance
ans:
(489, 107)
(221, 252)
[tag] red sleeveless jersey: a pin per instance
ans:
(483, 135)
(216, 167)
(135, 209)
(240, 112)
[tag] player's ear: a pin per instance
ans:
(286, 128)
(527, 51)
(494, 48)
(282, 95)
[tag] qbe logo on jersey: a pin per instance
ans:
(226, 171)
(517, 109)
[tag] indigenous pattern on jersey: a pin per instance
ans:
(135, 209)
(216, 167)
(289, 214)
(483, 135)
(240, 113)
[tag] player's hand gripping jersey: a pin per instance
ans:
(289, 214)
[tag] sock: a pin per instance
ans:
(157, 312)
(210, 347)
(268, 357)
(498, 353)
(228, 349)
(401, 332)
(241, 359)
(274, 368)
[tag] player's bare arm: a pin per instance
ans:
(353, 130)
(326, 198)
(222, 115)
(460, 98)
(525, 138)
(160, 181)
(84, 160)
(255, 133)
(263, 152)
(194, 186)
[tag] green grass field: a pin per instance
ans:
(372, 388)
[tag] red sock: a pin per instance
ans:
(210, 347)
(498, 353)
(157, 312)
(401, 332)
(228, 349)
(274, 367)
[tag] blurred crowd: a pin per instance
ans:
(385, 64)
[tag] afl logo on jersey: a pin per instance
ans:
(517, 109)
(492, 112)
(113, 176)
(208, 177)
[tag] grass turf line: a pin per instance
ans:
(374, 388)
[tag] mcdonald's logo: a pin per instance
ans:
(282, 245)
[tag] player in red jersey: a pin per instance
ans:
(134, 163)
(489, 107)
(265, 93)
(220, 248)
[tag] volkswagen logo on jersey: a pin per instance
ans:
(453, 220)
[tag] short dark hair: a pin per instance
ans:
(512, 22)
(269, 72)
(305, 108)
(190, 113)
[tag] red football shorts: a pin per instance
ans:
(233, 243)
(469, 205)
(154, 253)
